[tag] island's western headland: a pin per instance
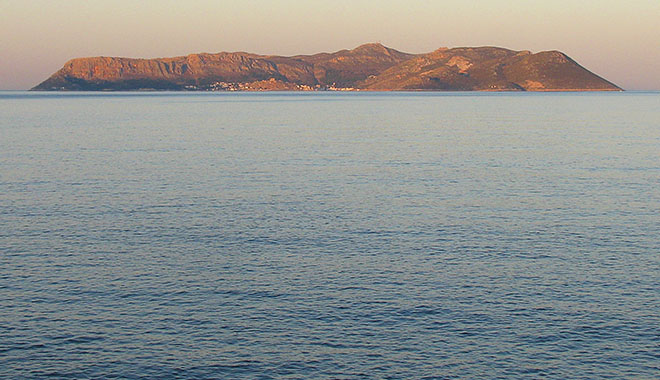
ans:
(367, 67)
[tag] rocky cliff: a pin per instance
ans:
(367, 67)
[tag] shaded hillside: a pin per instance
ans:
(367, 67)
(346, 68)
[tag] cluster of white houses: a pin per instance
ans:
(271, 84)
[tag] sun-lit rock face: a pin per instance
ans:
(367, 67)
(488, 69)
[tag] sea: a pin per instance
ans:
(174, 235)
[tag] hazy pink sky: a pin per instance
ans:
(617, 39)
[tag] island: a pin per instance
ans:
(370, 67)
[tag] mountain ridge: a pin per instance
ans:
(369, 66)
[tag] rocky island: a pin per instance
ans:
(367, 67)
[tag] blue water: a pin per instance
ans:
(329, 236)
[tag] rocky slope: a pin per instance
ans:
(346, 68)
(488, 69)
(367, 67)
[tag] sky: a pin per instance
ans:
(617, 39)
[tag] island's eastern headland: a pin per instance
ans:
(367, 67)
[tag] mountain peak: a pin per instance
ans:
(369, 66)
(371, 46)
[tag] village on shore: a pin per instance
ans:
(271, 84)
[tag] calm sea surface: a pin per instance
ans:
(329, 236)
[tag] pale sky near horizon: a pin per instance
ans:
(619, 40)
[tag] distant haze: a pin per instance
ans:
(615, 39)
